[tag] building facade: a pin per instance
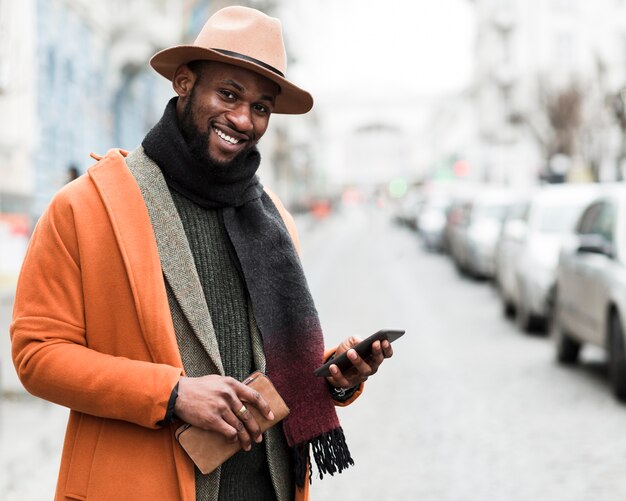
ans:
(549, 76)
(74, 79)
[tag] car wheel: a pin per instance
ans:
(550, 310)
(525, 320)
(508, 308)
(617, 358)
(567, 348)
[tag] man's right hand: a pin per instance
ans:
(217, 403)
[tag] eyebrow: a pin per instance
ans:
(240, 88)
(236, 85)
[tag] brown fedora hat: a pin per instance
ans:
(242, 37)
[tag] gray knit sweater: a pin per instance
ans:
(245, 476)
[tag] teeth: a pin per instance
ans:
(231, 140)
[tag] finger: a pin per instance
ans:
(247, 419)
(241, 432)
(252, 397)
(353, 341)
(346, 344)
(377, 355)
(338, 378)
(362, 367)
(387, 349)
(226, 425)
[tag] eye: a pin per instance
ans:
(262, 109)
(228, 95)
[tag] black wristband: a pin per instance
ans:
(171, 404)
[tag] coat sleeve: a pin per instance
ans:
(50, 347)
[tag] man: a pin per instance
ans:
(157, 282)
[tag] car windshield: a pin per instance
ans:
(555, 219)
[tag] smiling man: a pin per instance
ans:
(156, 283)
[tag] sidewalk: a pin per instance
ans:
(31, 437)
(31, 430)
(9, 383)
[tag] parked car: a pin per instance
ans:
(507, 251)
(455, 219)
(431, 221)
(591, 286)
(474, 241)
(408, 208)
(532, 247)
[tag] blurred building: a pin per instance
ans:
(75, 79)
(370, 145)
(17, 134)
(449, 139)
(367, 71)
(95, 89)
(17, 104)
(547, 89)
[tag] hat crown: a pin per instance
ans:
(245, 31)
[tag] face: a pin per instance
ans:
(223, 110)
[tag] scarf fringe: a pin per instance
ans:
(330, 452)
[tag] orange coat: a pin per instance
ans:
(92, 331)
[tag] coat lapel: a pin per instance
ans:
(129, 220)
(174, 252)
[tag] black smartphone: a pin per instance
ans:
(364, 349)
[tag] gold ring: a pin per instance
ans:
(242, 411)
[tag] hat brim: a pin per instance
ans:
(291, 100)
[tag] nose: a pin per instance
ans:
(241, 118)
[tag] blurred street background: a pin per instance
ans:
(461, 176)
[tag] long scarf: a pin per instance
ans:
(281, 301)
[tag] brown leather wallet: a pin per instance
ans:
(209, 449)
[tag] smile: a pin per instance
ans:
(225, 137)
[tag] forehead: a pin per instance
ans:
(216, 72)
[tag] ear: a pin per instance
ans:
(183, 81)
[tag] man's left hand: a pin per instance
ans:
(361, 368)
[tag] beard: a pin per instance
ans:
(198, 141)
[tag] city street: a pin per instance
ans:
(468, 409)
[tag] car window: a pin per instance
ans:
(587, 219)
(604, 221)
(558, 218)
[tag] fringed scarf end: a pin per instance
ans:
(330, 452)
